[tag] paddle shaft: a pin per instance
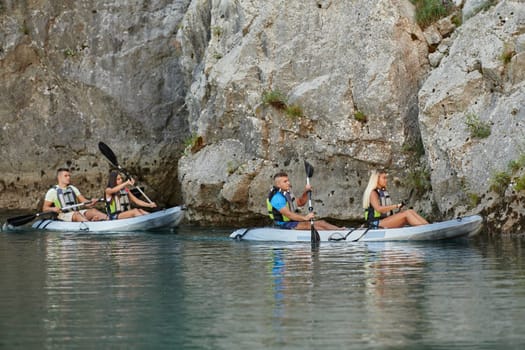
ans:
(314, 235)
(137, 187)
(310, 208)
(406, 201)
(110, 155)
(24, 219)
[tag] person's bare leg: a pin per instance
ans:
(95, 215)
(320, 225)
(407, 217)
(323, 225)
(130, 214)
(78, 217)
(414, 219)
(394, 221)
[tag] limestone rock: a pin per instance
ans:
(78, 72)
(474, 80)
(362, 87)
(332, 60)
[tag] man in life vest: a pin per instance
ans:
(64, 195)
(281, 207)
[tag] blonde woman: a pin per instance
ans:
(379, 210)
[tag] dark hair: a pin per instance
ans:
(280, 174)
(112, 180)
(59, 170)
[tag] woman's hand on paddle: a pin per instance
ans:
(309, 216)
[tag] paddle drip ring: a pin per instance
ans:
(336, 236)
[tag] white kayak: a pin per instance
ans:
(162, 219)
(460, 227)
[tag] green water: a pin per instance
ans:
(196, 289)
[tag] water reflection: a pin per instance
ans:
(395, 293)
(278, 269)
(104, 286)
(197, 289)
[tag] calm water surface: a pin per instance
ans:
(196, 289)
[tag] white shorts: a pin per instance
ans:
(69, 215)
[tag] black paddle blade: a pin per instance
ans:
(24, 219)
(108, 153)
(309, 169)
(20, 220)
(314, 235)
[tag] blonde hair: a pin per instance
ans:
(372, 185)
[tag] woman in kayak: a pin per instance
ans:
(379, 210)
(119, 198)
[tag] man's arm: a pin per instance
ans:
(49, 206)
(49, 201)
(294, 216)
(82, 199)
(301, 201)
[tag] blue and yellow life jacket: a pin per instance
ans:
(275, 214)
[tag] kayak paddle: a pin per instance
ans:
(406, 201)
(110, 155)
(314, 235)
(24, 219)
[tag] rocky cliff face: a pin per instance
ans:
(479, 84)
(333, 61)
(339, 61)
(74, 73)
(359, 85)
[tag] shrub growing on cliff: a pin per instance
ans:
(516, 165)
(193, 144)
(487, 5)
(294, 111)
(429, 11)
(499, 182)
(478, 129)
(360, 117)
(419, 180)
(275, 98)
(520, 184)
(473, 200)
(70, 52)
(508, 53)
